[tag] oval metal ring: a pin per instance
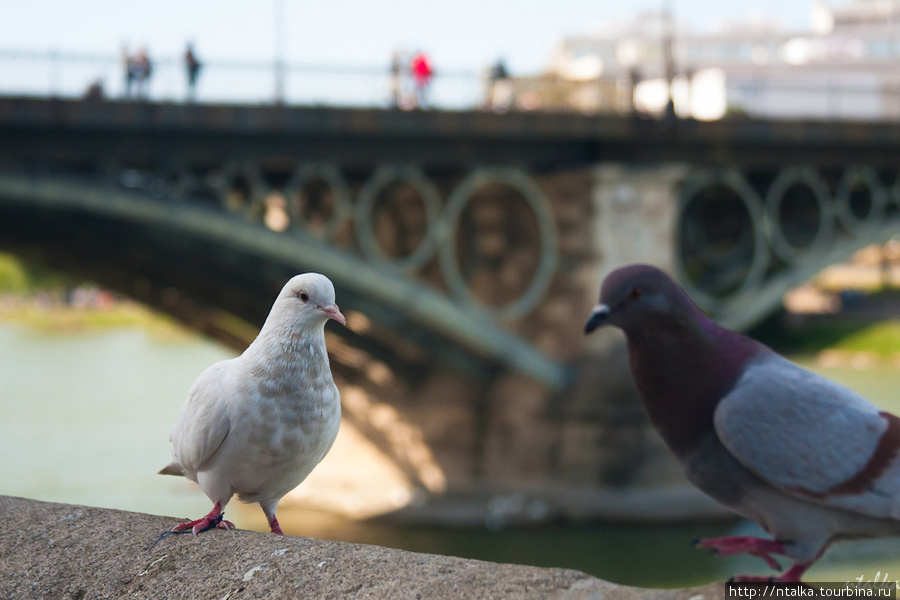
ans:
(365, 207)
(255, 205)
(785, 180)
(736, 182)
(520, 182)
(868, 177)
(331, 175)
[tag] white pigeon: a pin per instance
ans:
(258, 424)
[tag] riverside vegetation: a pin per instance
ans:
(49, 302)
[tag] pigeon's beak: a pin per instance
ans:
(598, 318)
(334, 312)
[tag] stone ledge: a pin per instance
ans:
(63, 551)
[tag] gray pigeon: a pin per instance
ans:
(258, 424)
(807, 459)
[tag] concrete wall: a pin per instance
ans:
(65, 552)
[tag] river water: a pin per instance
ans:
(84, 419)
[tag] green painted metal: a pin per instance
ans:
(471, 328)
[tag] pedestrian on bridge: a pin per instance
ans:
(129, 70)
(193, 65)
(422, 74)
(142, 69)
(499, 95)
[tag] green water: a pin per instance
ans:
(84, 419)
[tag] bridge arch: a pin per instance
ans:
(174, 253)
(427, 310)
(484, 381)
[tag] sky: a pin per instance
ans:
(464, 35)
(459, 33)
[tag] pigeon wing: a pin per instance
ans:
(203, 424)
(813, 438)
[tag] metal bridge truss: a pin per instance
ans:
(306, 217)
(746, 238)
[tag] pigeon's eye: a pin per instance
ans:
(635, 293)
(303, 296)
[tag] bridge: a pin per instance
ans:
(466, 249)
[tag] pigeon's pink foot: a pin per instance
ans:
(745, 544)
(203, 524)
(276, 528)
(212, 520)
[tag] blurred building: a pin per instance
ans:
(845, 66)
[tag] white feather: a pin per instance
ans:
(257, 425)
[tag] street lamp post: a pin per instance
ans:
(669, 57)
(279, 51)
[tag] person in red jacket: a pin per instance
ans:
(422, 74)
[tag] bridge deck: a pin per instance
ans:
(535, 139)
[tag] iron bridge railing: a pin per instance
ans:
(70, 74)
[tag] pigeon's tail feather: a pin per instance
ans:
(173, 468)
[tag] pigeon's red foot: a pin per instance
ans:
(203, 524)
(276, 528)
(762, 548)
(212, 520)
(745, 544)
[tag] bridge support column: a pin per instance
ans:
(595, 433)
(635, 209)
(634, 212)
